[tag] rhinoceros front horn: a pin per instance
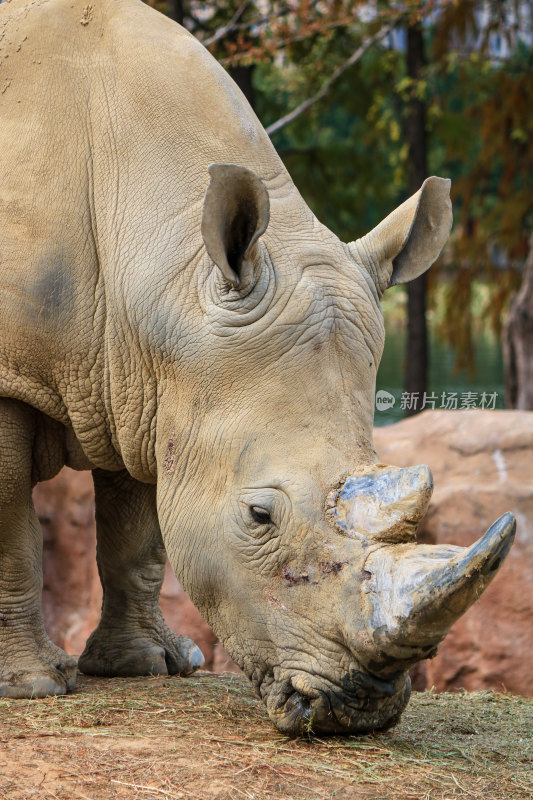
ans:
(416, 593)
(412, 594)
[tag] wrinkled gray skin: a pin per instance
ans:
(212, 357)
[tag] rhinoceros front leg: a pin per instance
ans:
(30, 665)
(132, 637)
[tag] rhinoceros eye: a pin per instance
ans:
(260, 515)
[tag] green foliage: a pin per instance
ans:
(327, 150)
(483, 128)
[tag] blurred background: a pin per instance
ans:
(363, 101)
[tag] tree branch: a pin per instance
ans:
(229, 27)
(326, 86)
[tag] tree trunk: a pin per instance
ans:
(175, 10)
(518, 343)
(243, 77)
(417, 336)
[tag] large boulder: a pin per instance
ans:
(482, 462)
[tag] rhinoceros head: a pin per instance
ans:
(296, 544)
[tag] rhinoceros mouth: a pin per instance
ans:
(359, 703)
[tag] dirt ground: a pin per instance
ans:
(208, 737)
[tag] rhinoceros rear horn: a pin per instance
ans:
(407, 242)
(235, 214)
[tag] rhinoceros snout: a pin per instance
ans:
(360, 703)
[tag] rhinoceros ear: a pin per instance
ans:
(407, 242)
(236, 212)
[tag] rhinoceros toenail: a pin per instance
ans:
(196, 658)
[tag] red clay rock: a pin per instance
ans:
(482, 463)
(72, 594)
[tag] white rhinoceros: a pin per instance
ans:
(175, 318)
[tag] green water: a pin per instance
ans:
(488, 377)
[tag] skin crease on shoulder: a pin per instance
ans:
(175, 318)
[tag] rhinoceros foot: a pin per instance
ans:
(140, 651)
(37, 672)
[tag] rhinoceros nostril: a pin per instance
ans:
(296, 704)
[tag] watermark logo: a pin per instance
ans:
(450, 401)
(384, 400)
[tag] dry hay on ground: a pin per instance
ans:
(207, 737)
